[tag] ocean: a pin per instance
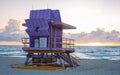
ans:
(83, 52)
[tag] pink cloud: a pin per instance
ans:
(96, 36)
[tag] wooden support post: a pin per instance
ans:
(38, 56)
(54, 42)
(70, 43)
(26, 61)
(66, 42)
(41, 59)
(51, 57)
(42, 56)
(51, 36)
(55, 38)
(27, 58)
(73, 44)
(46, 57)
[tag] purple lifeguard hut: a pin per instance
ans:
(46, 44)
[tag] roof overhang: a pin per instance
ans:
(63, 25)
(24, 24)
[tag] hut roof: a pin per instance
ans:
(42, 18)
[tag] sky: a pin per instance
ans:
(97, 21)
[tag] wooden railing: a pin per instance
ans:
(25, 41)
(66, 42)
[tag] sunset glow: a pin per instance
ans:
(99, 44)
(10, 43)
(76, 44)
(93, 44)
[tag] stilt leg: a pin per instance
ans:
(26, 61)
(61, 62)
(69, 58)
(27, 58)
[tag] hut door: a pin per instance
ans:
(43, 42)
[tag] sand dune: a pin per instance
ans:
(88, 67)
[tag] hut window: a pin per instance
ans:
(36, 43)
(43, 42)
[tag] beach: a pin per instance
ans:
(87, 67)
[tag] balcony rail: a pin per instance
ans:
(66, 42)
(25, 41)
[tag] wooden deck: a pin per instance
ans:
(42, 67)
(49, 51)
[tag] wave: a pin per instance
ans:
(83, 56)
(85, 52)
(10, 52)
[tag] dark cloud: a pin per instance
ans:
(12, 32)
(96, 36)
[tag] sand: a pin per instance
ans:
(88, 67)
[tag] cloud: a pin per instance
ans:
(96, 36)
(12, 31)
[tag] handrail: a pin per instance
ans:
(63, 43)
(68, 43)
(25, 41)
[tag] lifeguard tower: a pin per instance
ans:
(46, 44)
